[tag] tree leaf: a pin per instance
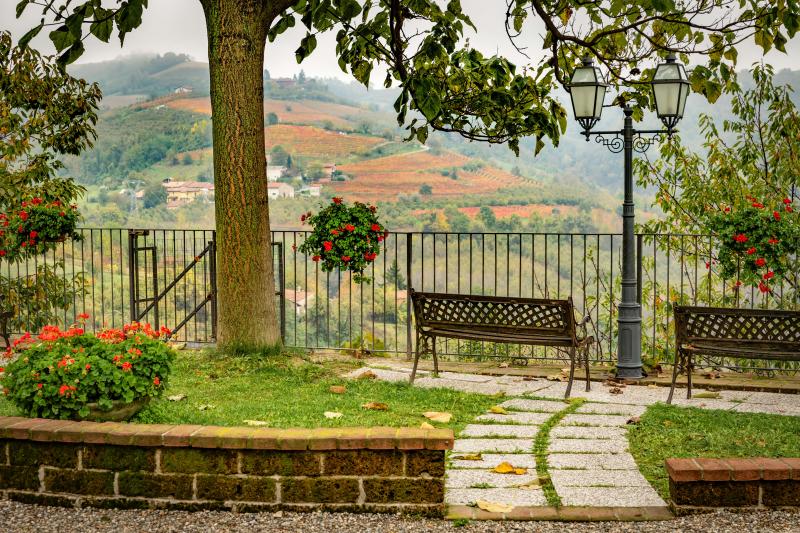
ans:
(498, 410)
(508, 468)
(425, 425)
(375, 406)
(494, 507)
(436, 416)
(338, 389)
(469, 457)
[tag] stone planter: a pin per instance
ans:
(120, 411)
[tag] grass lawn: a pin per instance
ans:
(668, 431)
(286, 391)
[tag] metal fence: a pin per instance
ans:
(167, 276)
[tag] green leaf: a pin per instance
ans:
(62, 38)
(25, 39)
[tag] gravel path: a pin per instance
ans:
(17, 517)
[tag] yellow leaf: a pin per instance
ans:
(520, 471)
(469, 457)
(369, 374)
(436, 416)
(338, 389)
(508, 468)
(493, 507)
(706, 395)
(530, 485)
(375, 406)
(496, 409)
(332, 414)
(425, 425)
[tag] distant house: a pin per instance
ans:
(329, 169)
(183, 192)
(275, 172)
(300, 298)
(315, 189)
(284, 83)
(183, 89)
(279, 190)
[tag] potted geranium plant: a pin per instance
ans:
(344, 237)
(33, 227)
(71, 374)
(758, 242)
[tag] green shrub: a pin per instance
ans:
(56, 374)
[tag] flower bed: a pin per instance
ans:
(68, 374)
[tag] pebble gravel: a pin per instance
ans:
(16, 517)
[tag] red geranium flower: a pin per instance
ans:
(303, 217)
(23, 215)
(350, 227)
(83, 316)
(776, 215)
(337, 200)
(126, 366)
(88, 367)
(156, 381)
(751, 251)
(36, 201)
(328, 245)
(787, 201)
(375, 227)
(789, 209)
(334, 232)
(740, 238)
(34, 234)
(773, 241)
(758, 205)
(769, 275)
(763, 287)
(738, 283)
(370, 256)
(345, 258)
(727, 209)
(315, 258)
(761, 262)
(38, 385)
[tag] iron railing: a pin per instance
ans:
(329, 310)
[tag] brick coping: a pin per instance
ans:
(733, 469)
(564, 513)
(196, 436)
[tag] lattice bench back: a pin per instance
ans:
(768, 329)
(502, 314)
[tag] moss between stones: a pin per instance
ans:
(26, 453)
(155, 485)
(404, 490)
(48, 500)
(119, 458)
(310, 490)
(282, 464)
(425, 462)
(193, 460)
(115, 503)
(19, 477)
(233, 488)
(364, 463)
(79, 482)
(190, 506)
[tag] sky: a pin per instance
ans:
(178, 26)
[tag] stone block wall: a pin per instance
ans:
(112, 465)
(705, 483)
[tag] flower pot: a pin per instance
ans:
(120, 411)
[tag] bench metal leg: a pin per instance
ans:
(571, 371)
(417, 353)
(689, 368)
(586, 361)
(435, 359)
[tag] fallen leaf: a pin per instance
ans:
(369, 374)
(503, 365)
(565, 370)
(176, 397)
(498, 410)
(206, 407)
(633, 420)
(508, 468)
(615, 390)
(332, 414)
(256, 423)
(712, 395)
(528, 378)
(530, 485)
(554, 378)
(375, 406)
(338, 389)
(652, 386)
(469, 457)
(425, 425)
(493, 507)
(436, 416)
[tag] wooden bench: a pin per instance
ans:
(534, 322)
(737, 333)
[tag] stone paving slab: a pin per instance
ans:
(493, 445)
(536, 406)
(595, 420)
(464, 479)
(382, 374)
(516, 418)
(588, 432)
(768, 409)
(591, 461)
(610, 496)
(490, 460)
(588, 446)
(514, 497)
(591, 408)
(500, 430)
(474, 378)
(459, 385)
(594, 478)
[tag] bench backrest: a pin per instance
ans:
(508, 314)
(780, 329)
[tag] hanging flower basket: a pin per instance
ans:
(35, 227)
(344, 237)
(757, 242)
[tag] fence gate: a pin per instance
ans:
(173, 281)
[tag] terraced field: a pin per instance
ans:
(318, 144)
(507, 211)
(387, 178)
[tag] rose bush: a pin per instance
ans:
(758, 243)
(58, 373)
(344, 237)
(33, 228)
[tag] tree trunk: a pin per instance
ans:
(248, 318)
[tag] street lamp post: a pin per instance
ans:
(587, 92)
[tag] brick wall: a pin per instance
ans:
(112, 465)
(704, 483)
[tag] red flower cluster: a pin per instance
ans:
(740, 238)
(67, 390)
